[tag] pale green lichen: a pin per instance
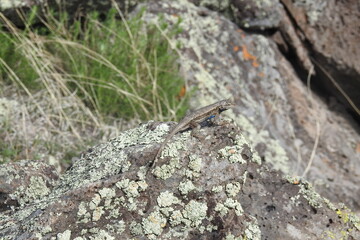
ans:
(232, 189)
(232, 154)
(132, 188)
(66, 235)
(253, 231)
(195, 163)
(100, 234)
(193, 40)
(166, 199)
(154, 224)
(217, 189)
(35, 190)
(220, 5)
(165, 171)
(275, 153)
(221, 209)
(110, 158)
(176, 218)
(230, 236)
(186, 186)
(314, 9)
(136, 229)
(307, 191)
(193, 213)
(117, 227)
(234, 204)
(82, 214)
(97, 213)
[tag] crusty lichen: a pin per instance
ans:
(64, 235)
(154, 224)
(232, 189)
(253, 230)
(35, 190)
(166, 199)
(186, 186)
(193, 213)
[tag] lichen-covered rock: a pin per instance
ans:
(330, 30)
(293, 131)
(249, 14)
(111, 193)
(24, 182)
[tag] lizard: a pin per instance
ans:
(193, 119)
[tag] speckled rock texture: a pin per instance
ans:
(212, 183)
(209, 184)
(293, 130)
(330, 30)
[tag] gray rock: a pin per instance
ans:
(208, 186)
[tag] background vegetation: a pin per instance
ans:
(75, 82)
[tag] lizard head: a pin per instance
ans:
(225, 104)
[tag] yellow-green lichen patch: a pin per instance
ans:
(165, 171)
(232, 154)
(82, 214)
(100, 234)
(217, 189)
(234, 204)
(186, 186)
(347, 216)
(154, 224)
(116, 227)
(132, 188)
(136, 229)
(195, 163)
(193, 213)
(176, 218)
(232, 189)
(166, 199)
(35, 190)
(221, 209)
(97, 213)
(314, 199)
(107, 159)
(274, 153)
(253, 231)
(66, 235)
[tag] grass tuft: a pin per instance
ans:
(78, 75)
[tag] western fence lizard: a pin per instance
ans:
(193, 119)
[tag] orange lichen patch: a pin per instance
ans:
(261, 74)
(232, 151)
(248, 56)
(296, 182)
(236, 48)
(358, 148)
(182, 92)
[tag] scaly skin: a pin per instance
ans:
(193, 119)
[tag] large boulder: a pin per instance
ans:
(209, 184)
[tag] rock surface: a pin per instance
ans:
(330, 30)
(210, 185)
(215, 184)
(294, 131)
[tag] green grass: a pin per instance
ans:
(110, 68)
(119, 68)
